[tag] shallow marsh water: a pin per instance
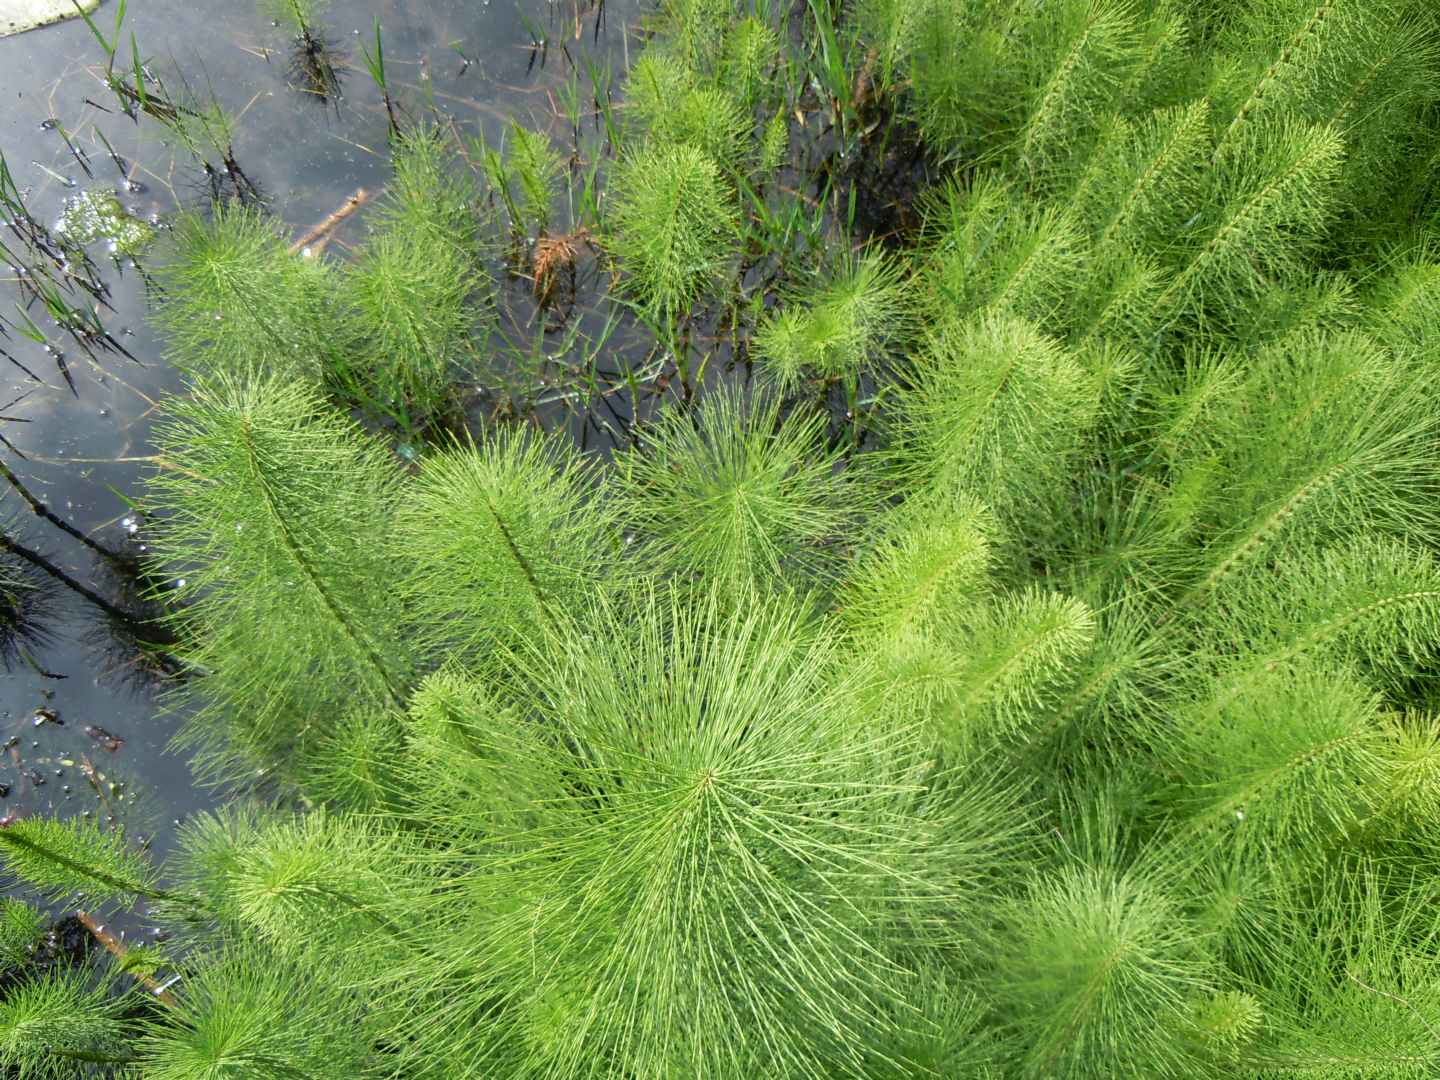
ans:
(79, 735)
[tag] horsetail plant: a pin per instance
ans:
(1081, 725)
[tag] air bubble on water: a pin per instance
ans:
(180, 583)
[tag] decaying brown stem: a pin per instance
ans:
(116, 948)
(331, 223)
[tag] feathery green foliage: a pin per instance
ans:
(275, 510)
(20, 928)
(249, 1013)
(735, 497)
(1091, 966)
(526, 178)
(235, 302)
(782, 808)
(418, 291)
(839, 327)
(61, 1025)
(76, 859)
(674, 223)
(498, 539)
(1024, 670)
(999, 411)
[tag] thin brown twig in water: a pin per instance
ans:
(1396, 997)
(331, 223)
(116, 948)
(87, 768)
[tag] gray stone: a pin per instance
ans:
(19, 15)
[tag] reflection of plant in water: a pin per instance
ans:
(25, 604)
(316, 62)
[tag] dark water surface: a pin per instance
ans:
(472, 60)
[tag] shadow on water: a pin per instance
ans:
(83, 723)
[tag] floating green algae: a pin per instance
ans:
(98, 215)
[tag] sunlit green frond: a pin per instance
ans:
(673, 226)
(1079, 53)
(535, 170)
(495, 538)
(1326, 436)
(733, 494)
(998, 411)
(353, 763)
(671, 104)
(1145, 179)
(1369, 603)
(838, 326)
(1095, 969)
(417, 294)
(61, 1025)
(986, 247)
(692, 897)
(235, 301)
(927, 566)
(317, 882)
(1011, 657)
(751, 51)
(76, 859)
(1284, 763)
(276, 513)
(1269, 199)
(1402, 295)
(1353, 990)
(250, 1014)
